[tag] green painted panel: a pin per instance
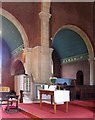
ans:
(10, 34)
(68, 43)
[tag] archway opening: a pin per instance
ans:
(70, 49)
(79, 78)
(14, 35)
(56, 64)
(18, 68)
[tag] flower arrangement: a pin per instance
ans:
(53, 79)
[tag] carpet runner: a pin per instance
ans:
(77, 109)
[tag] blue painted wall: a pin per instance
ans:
(69, 45)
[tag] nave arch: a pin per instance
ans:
(89, 46)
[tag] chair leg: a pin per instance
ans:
(54, 107)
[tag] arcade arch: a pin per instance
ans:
(88, 45)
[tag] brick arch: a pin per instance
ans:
(17, 67)
(83, 36)
(88, 45)
(18, 25)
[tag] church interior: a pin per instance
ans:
(43, 40)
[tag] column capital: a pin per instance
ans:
(44, 16)
(28, 49)
(91, 58)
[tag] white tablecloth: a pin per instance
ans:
(61, 96)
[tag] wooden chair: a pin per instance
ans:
(11, 100)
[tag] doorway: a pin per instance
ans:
(80, 78)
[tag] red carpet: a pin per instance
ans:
(77, 109)
(13, 114)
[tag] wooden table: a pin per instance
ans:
(49, 92)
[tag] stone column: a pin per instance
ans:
(28, 60)
(38, 59)
(45, 65)
(44, 16)
(29, 68)
(92, 71)
(45, 51)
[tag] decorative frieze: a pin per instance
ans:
(17, 50)
(74, 58)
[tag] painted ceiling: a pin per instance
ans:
(11, 35)
(69, 45)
